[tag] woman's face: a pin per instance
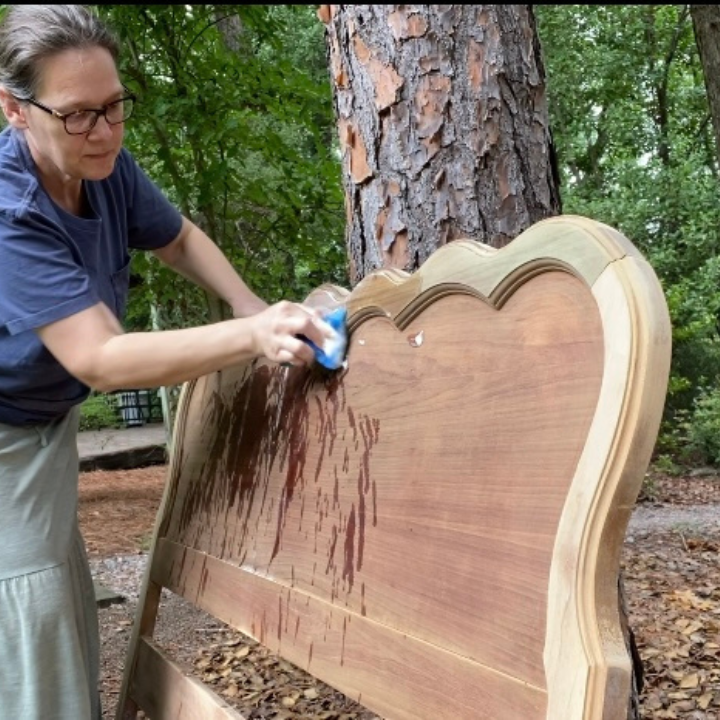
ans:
(75, 80)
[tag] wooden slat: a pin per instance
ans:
(409, 680)
(165, 692)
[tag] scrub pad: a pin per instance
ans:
(332, 354)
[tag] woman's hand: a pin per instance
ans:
(276, 333)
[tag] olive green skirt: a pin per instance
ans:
(49, 644)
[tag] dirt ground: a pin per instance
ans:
(672, 581)
(118, 509)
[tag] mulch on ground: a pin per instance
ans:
(673, 592)
(672, 584)
(117, 509)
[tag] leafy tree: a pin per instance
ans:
(233, 123)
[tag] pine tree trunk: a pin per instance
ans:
(443, 127)
(706, 23)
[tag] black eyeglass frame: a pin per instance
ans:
(98, 112)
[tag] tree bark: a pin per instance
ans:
(443, 125)
(706, 24)
(444, 134)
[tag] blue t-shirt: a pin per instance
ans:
(54, 264)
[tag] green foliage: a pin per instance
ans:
(235, 123)
(630, 121)
(701, 429)
(99, 412)
(666, 465)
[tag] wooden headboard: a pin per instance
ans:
(435, 530)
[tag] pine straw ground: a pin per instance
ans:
(672, 581)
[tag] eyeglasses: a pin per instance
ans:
(81, 122)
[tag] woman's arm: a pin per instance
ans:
(92, 346)
(195, 256)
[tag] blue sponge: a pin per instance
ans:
(332, 354)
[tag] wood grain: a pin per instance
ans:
(166, 693)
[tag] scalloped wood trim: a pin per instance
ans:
(583, 620)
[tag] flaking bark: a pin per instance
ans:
(443, 127)
(706, 24)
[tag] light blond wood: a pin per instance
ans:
(576, 244)
(146, 617)
(166, 693)
(436, 529)
(582, 612)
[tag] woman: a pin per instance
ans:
(72, 203)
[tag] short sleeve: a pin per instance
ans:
(41, 280)
(153, 221)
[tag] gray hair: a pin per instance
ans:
(30, 34)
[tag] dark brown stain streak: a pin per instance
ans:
(349, 564)
(329, 400)
(293, 449)
(236, 439)
(355, 525)
(240, 439)
(262, 426)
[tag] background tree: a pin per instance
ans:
(236, 123)
(636, 150)
(706, 25)
(232, 121)
(444, 134)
